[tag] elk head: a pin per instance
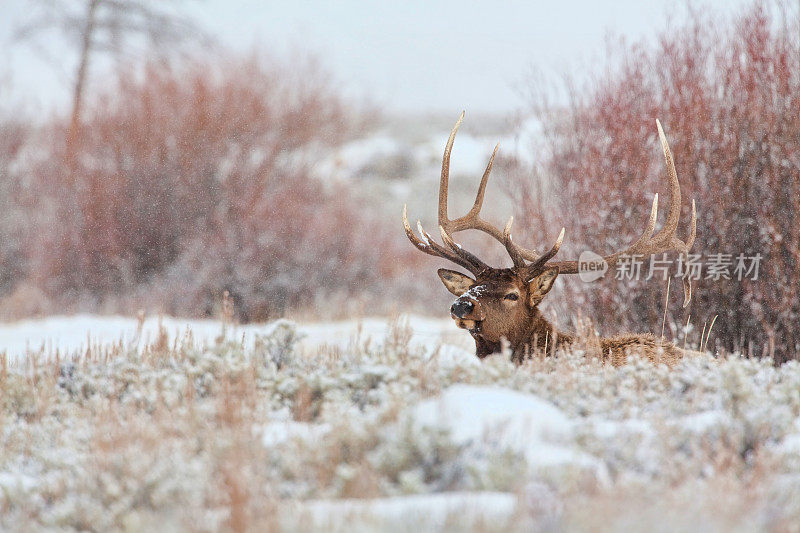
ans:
(497, 303)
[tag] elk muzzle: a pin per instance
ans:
(467, 313)
(462, 308)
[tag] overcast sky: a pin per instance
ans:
(409, 55)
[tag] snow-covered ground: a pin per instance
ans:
(380, 425)
(73, 334)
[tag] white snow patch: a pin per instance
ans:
(70, 334)
(425, 331)
(430, 512)
(449, 356)
(279, 432)
(791, 444)
(17, 482)
(703, 421)
(474, 292)
(349, 160)
(609, 429)
(469, 156)
(505, 420)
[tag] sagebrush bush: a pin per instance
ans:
(136, 436)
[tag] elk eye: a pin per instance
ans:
(513, 296)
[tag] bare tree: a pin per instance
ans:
(115, 27)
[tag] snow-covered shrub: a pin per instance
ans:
(188, 436)
(195, 178)
(18, 396)
(725, 90)
(277, 346)
(14, 136)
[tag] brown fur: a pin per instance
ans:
(495, 319)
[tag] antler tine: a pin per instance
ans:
(518, 260)
(476, 206)
(644, 240)
(692, 228)
(472, 219)
(444, 182)
(671, 224)
(540, 263)
(429, 246)
(674, 214)
(687, 283)
(664, 240)
(459, 250)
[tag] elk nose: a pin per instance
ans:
(462, 308)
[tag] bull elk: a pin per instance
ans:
(502, 303)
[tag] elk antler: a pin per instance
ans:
(663, 241)
(472, 220)
(454, 253)
(647, 243)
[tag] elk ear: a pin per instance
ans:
(456, 282)
(541, 285)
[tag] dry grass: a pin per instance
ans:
(175, 436)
